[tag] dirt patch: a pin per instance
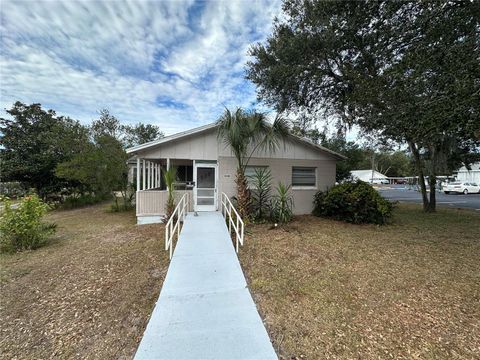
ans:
(332, 290)
(88, 294)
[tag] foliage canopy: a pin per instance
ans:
(405, 71)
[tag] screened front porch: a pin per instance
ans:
(152, 195)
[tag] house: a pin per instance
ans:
(206, 168)
(472, 175)
(370, 176)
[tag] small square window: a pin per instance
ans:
(304, 177)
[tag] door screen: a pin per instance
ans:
(205, 186)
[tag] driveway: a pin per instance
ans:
(403, 194)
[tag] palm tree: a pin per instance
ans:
(170, 176)
(245, 132)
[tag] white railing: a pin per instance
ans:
(173, 223)
(237, 224)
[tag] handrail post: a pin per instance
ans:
(184, 206)
(178, 226)
(237, 223)
(241, 237)
(236, 232)
(175, 222)
(166, 237)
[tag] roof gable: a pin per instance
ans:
(201, 129)
(169, 138)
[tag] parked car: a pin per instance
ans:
(462, 187)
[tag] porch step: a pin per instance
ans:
(205, 310)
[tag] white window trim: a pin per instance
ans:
(247, 177)
(298, 187)
(303, 187)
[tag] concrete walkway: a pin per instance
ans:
(205, 310)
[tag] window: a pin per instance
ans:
(250, 173)
(304, 177)
(184, 175)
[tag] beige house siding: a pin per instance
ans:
(206, 146)
(152, 202)
(202, 146)
(281, 170)
(291, 149)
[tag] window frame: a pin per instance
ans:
(250, 186)
(305, 187)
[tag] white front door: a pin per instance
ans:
(205, 190)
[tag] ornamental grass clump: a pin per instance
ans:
(354, 202)
(21, 227)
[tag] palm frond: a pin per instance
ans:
(233, 131)
(170, 176)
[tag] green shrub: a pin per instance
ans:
(21, 228)
(74, 201)
(126, 199)
(354, 202)
(122, 205)
(282, 204)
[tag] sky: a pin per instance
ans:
(176, 64)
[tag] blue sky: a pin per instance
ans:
(171, 63)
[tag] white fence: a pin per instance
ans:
(174, 223)
(234, 220)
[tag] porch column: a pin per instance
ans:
(152, 184)
(168, 163)
(154, 175)
(157, 168)
(149, 173)
(143, 173)
(138, 173)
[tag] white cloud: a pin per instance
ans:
(79, 57)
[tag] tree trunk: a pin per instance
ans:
(433, 202)
(432, 181)
(421, 176)
(243, 195)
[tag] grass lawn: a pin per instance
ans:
(87, 294)
(333, 290)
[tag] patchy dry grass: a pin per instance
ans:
(88, 294)
(333, 290)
